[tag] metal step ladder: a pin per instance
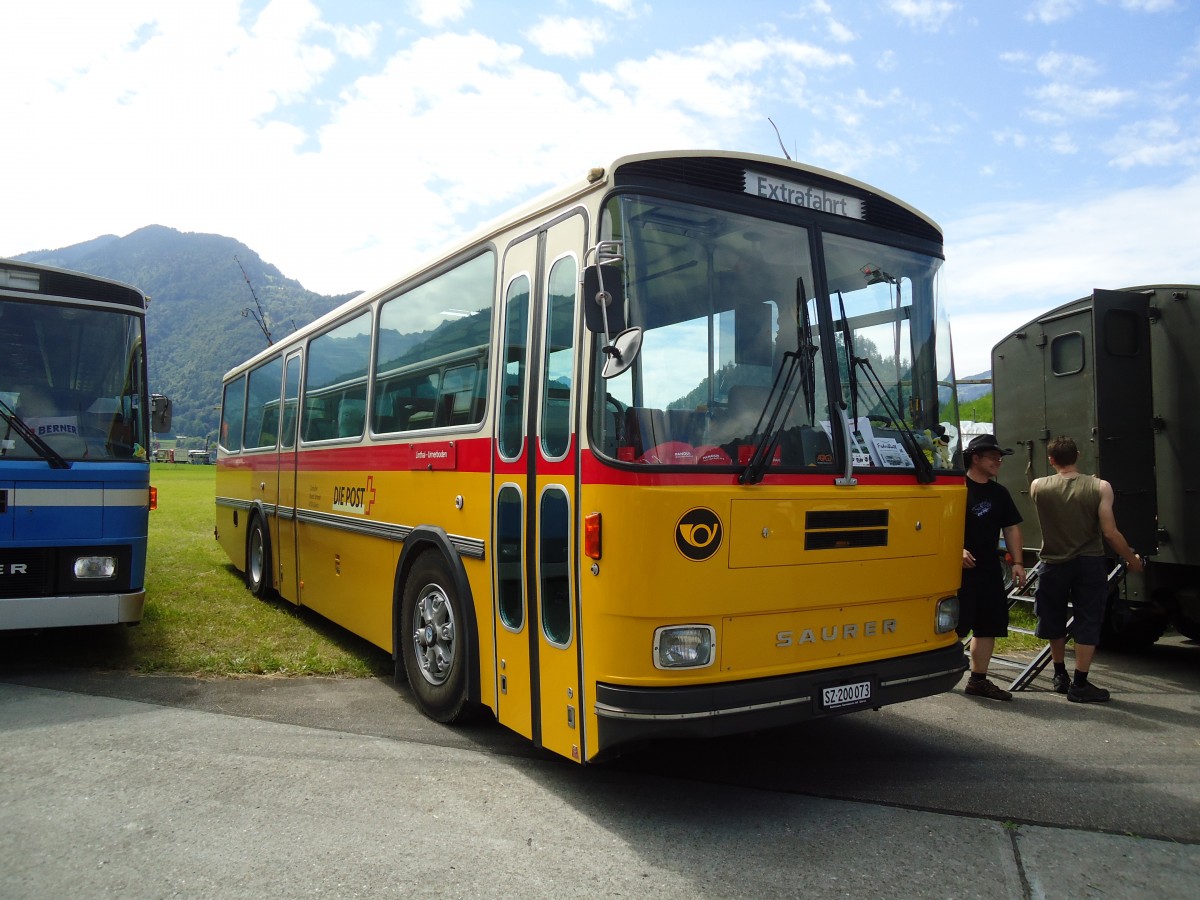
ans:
(1031, 670)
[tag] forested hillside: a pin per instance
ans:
(196, 329)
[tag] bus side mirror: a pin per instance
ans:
(607, 302)
(160, 413)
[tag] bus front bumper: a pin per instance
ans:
(75, 610)
(631, 714)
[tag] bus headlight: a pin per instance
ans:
(947, 614)
(95, 567)
(684, 646)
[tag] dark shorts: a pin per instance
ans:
(982, 604)
(1081, 582)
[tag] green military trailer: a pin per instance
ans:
(1118, 371)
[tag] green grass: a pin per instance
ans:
(199, 618)
(1020, 616)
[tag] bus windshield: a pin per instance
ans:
(738, 344)
(74, 376)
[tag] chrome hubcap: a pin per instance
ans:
(433, 635)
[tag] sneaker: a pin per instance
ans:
(985, 688)
(1087, 693)
(1062, 683)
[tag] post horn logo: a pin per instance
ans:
(698, 533)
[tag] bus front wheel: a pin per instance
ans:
(431, 623)
(258, 558)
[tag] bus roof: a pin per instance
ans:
(25, 278)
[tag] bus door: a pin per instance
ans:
(537, 638)
(284, 545)
(1125, 411)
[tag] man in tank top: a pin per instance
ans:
(1076, 516)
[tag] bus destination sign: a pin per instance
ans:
(770, 188)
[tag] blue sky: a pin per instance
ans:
(1057, 142)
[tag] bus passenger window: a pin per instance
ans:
(560, 359)
(233, 410)
(554, 567)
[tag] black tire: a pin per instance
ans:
(258, 558)
(1189, 628)
(1129, 629)
(431, 640)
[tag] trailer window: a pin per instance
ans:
(1066, 354)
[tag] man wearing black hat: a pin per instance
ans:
(983, 605)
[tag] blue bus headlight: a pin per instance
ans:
(684, 646)
(95, 567)
(947, 614)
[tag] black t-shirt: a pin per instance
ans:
(990, 508)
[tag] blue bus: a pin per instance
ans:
(75, 421)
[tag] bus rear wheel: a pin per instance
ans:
(431, 623)
(258, 558)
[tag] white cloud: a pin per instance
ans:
(1062, 144)
(1066, 65)
(1009, 262)
(436, 13)
(1156, 142)
(929, 15)
(1150, 6)
(623, 7)
(1064, 102)
(1049, 12)
(572, 38)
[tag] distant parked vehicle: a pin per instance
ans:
(1117, 371)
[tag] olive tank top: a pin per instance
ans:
(1068, 511)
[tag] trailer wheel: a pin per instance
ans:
(1130, 628)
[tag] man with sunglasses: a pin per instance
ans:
(983, 602)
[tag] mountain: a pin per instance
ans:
(196, 327)
(973, 390)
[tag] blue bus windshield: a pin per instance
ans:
(74, 376)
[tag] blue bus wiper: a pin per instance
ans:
(44, 450)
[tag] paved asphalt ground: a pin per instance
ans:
(114, 785)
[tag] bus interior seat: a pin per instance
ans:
(318, 428)
(351, 414)
(646, 428)
(752, 335)
(744, 405)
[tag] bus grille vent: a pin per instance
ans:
(845, 529)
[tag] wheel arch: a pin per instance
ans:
(431, 539)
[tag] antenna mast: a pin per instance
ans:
(260, 317)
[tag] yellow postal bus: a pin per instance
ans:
(658, 455)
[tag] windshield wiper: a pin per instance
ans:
(922, 467)
(796, 369)
(44, 450)
(921, 464)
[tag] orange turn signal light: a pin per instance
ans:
(591, 535)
